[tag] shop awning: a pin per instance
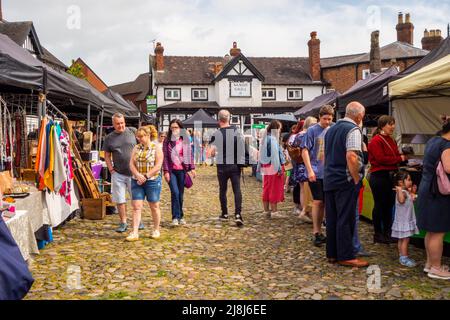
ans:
(312, 108)
(202, 118)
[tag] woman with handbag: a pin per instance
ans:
(301, 176)
(384, 159)
(434, 201)
(178, 164)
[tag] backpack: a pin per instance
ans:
(295, 153)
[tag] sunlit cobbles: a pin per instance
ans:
(209, 259)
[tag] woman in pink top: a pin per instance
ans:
(178, 159)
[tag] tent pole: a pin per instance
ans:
(96, 132)
(88, 127)
(99, 137)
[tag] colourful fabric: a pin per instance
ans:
(48, 175)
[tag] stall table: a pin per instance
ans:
(21, 227)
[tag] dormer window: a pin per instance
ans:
(295, 94)
(268, 94)
(172, 94)
(199, 94)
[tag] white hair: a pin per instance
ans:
(353, 109)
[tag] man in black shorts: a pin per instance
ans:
(314, 157)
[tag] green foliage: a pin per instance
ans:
(76, 70)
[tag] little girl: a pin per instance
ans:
(404, 224)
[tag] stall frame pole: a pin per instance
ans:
(88, 126)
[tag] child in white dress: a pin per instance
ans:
(404, 225)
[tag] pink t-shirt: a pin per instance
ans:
(178, 156)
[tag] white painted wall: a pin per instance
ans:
(185, 93)
(224, 99)
(309, 92)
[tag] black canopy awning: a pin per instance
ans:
(312, 108)
(202, 118)
(372, 93)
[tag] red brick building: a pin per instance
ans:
(91, 76)
(342, 72)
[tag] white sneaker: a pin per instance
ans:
(182, 222)
(156, 234)
(175, 222)
(441, 273)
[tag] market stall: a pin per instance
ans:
(420, 96)
(29, 93)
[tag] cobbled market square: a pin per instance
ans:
(218, 151)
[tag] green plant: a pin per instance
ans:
(76, 70)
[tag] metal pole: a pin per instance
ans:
(96, 131)
(101, 131)
(88, 127)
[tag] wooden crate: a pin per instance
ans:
(94, 209)
(28, 175)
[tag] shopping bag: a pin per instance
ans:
(15, 278)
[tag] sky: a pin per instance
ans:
(114, 37)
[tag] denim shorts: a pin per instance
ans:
(150, 190)
(120, 184)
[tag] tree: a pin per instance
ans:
(76, 70)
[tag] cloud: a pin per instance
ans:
(115, 35)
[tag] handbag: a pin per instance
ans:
(443, 181)
(188, 181)
(295, 153)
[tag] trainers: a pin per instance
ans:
(239, 221)
(426, 269)
(182, 222)
(132, 237)
(122, 228)
(319, 239)
(276, 215)
(407, 262)
(223, 217)
(141, 226)
(175, 222)
(440, 273)
(156, 234)
(304, 218)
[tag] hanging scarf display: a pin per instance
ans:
(53, 160)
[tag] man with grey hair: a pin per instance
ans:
(343, 173)
(228, 147)
(118, 147)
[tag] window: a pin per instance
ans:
(365, 73)
(295, 94)
(268, 94)
(199, 94)
(235, 120)
(172, 94)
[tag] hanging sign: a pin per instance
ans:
(151, 104)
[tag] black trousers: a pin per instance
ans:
(233, 173)
(296, 194)
(384, 198)
(340, 206)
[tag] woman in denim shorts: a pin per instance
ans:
(145, 164)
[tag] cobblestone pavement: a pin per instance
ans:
(209, 259)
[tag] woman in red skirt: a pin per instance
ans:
(272, 169)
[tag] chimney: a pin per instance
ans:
(314, 56)
(375, 57)
(235, 51)
(405, 30)
(159, 57)
(431, 39)
(218, 67)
